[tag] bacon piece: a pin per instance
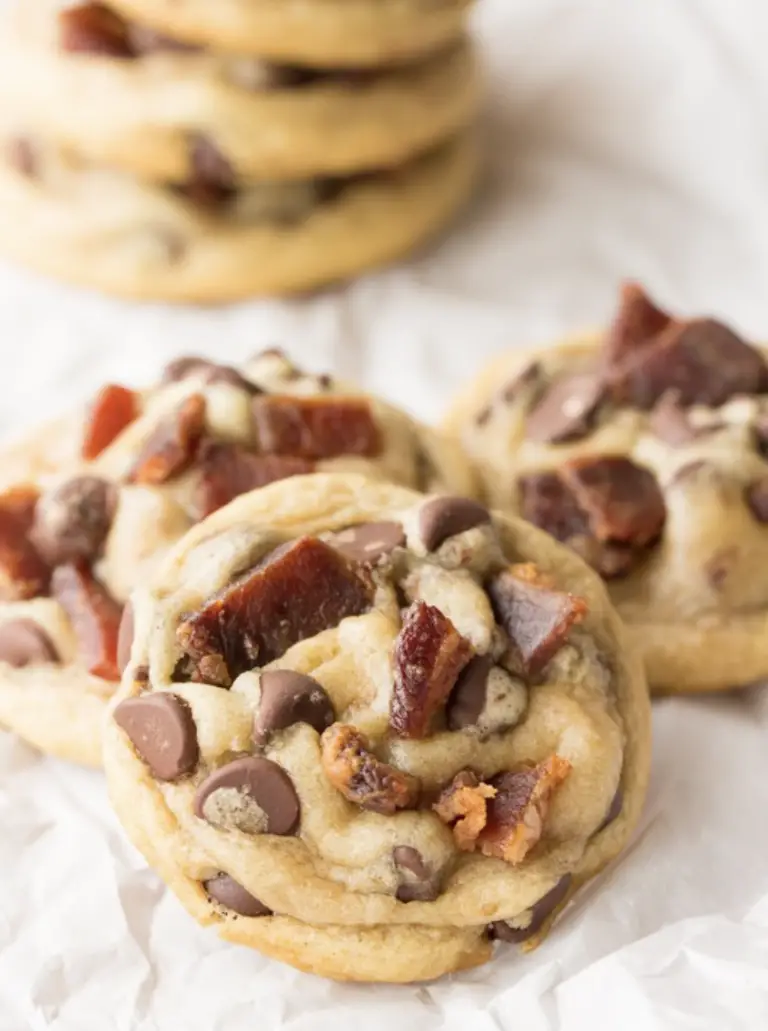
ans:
(362, 778)
(172, 447)
(95, 617)
(638, 321)
(315, 427)
(464, 806)
(94, 28)
(23, 571)
(228, 470)
(112, 409)
(430, 654)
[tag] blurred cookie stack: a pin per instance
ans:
(207, 150)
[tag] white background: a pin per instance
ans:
(625, 139)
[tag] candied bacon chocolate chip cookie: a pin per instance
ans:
(120, 95)
(74, 543)
(646, 451)
(370, 732)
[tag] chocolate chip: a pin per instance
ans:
(24, 643)
(125, 637)
(72, 521)
(369, 543)
(162, 729)
(228, 893)
(670, 422)
(93, 28)
(614, 809)
(417, 881)
(637, 323)
(253, 795)
(504, 931)
(719, 566)
(212, 178)
(467, 699)
(211, 372)
(702, 360)
(567, 410)
(757, 498)
(445, 517)
(21, 155)
(287, 698)
(530, 374)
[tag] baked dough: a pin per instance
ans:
(696, 601)
(239, 796)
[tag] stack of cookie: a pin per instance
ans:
(202, 151)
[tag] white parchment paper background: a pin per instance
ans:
(626, 139)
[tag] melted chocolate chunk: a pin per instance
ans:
(444, 517)
(568, 409)
(369, 543)
(504, 931)
(72, 521)
(231, 895)
(468, 697)
(161, 728)
(417, 880)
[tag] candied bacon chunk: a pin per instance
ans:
(463, 805)
(228, 470)
(95, 617)
(360, 777)
(296, 592)
(23, 571)
(113, 408)
(637, 323)
(622, 501)
(503, 818)
(429, 655)
(172, 447)
(315, 427)
(93, 28)
(536, 617)
(518, 810)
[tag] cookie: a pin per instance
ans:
(317, 33)
(76, 538)
(212, 242)
(644, 448)
(159, 113)
(370, 732)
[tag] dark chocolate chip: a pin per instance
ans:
(24, 643)
(567, 410)
(253, 794)
(467, 699)
(125, 637)
(228, 893)
(417, 881)
(287, 698)
(504, 931)
(162, 730)
(757, 498)
(369, 542)
(446, 516)
(72, 521)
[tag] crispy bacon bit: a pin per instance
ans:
(536, 618)
(298, 591)
(505, 817)
(518, 810)
(607, 509)
(94, 28)
(702, 360)
(429, 655)
(173, 445)
(112, 409)
(464, 806)
(23, 572)
(95, 617)
(637, 323)
(315, 427)
(362, 778)
(228, 470)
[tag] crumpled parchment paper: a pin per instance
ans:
(625, 139)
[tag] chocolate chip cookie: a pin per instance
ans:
(319, 33)
(121, 95)
(644, 449)
(211, 239)
(142, 469)
(372, 732)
